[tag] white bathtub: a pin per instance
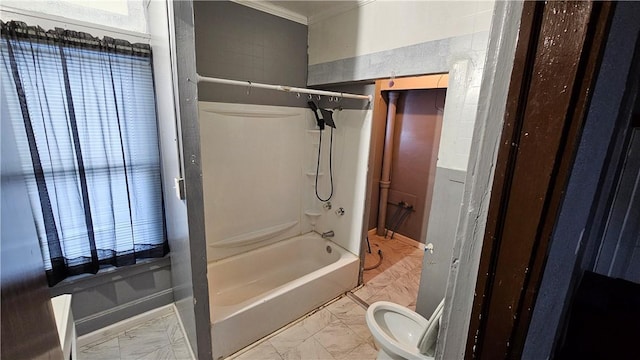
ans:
(255, 293)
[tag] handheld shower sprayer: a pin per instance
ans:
(323, 116)
(317, 113)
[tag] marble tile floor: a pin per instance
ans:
(160, 338)
(336, 331)
(397, 279)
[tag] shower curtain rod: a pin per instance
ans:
(290, 89)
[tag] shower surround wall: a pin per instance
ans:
(258, 169)
(240, 43)
(259, 152)
(368, 42)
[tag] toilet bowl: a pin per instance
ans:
(398, 331)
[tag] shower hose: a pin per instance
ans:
(376, 264)
(330, 165)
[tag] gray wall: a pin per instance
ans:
(240, 43)
(189, 256)
(361, 88)
(430, 57)
(117, 294)
(575, 241)
(28, 329)
(619, 255)
(164, 67)
(441, 232)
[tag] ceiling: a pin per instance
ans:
(306, 8)
(304, 12)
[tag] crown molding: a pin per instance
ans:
(273, 9)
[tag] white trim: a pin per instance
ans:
(273, 9)
(338, 7)
(119, 327)
(401, 238)
(408, 241)
(37, 18)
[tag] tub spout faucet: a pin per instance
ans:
(328, 234)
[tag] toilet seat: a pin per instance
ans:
(397, 329)
(427, 342)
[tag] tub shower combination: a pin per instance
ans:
(267, 265)
(294, 276)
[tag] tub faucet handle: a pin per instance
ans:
(328, 234)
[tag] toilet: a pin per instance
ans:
(401, 333)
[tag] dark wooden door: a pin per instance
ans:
(556, 63)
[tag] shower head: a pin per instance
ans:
(328, 117)
(318, 114)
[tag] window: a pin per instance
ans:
(83, 113)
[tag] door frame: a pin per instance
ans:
(549, 93)
(502, 109)
(376, 145)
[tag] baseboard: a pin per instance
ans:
(115, 329)
(114, 317)
(401, 238)
(409, 241)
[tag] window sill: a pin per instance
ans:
(86, 281)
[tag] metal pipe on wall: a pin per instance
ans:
(385, 178)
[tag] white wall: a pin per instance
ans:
(252, 162)
(258, 168)
(382, 25)
(175, 209)
(467, 248)
(350, 154)
(386, 38)
(127, 15)
(382, 39)
(460, 108)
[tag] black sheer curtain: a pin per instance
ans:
(83, 111)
